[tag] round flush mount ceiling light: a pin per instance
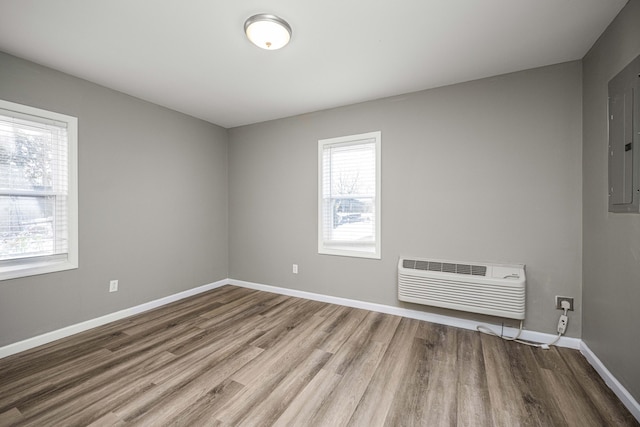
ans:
(267, 31)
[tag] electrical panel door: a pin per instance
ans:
(624, 140)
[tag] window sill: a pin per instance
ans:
(350, 252)
(33, 269)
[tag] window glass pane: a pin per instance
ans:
(27, 226)
(348, 195)
(33, 156)
(34, 187)
(349, 192)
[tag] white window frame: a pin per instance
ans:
(23, 267)
(351, 249)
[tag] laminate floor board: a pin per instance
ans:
(376, 400)
(290, 316)
(598, 394)
(240, 357)
(408, 401)
(10, 418)
(349, 353)
(53, 354)
(231, 323)
(474, 405)
(178, 392)
(81, 403)
(205, 340)
(237, 308)
(168, 320)
(31, 384)
(441, 393)
(541, 409)
(278, 370)
(363, 353)
(507, 407)
(341, 327)
(271, 403)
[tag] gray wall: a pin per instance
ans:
(152, 204)
(611, 251)
(488, 170)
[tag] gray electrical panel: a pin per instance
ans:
(624, 139)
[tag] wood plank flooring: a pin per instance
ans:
(234, 356)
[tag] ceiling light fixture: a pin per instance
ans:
(267, 31)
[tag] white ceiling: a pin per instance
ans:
(192, 56)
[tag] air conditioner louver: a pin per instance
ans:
(475, 270)
(493, 289)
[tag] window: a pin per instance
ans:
(349, 195)
(38, 191)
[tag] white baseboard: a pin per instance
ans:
(48, 337)
(574, 343)
(534, 336)
(625, 397)
(398, 311)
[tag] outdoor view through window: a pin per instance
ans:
(349, 195)
(33, 187)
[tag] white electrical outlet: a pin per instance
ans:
(295, 268)
(113, 286)
(559, 301)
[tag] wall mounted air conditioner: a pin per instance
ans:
(493, 289)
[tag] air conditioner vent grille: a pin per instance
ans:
(492, 289)
(446, 267)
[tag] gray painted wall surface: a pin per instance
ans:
(488, 170)
(152, 204)
(611, 252)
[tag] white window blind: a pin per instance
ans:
(38, 207)
(349, 196)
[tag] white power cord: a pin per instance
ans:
(562, 327)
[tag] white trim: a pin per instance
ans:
(574, 343)
(335, 248)
(26, 269)
(625, 397)
(22, 267)
(48, 337)
(540, 337)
